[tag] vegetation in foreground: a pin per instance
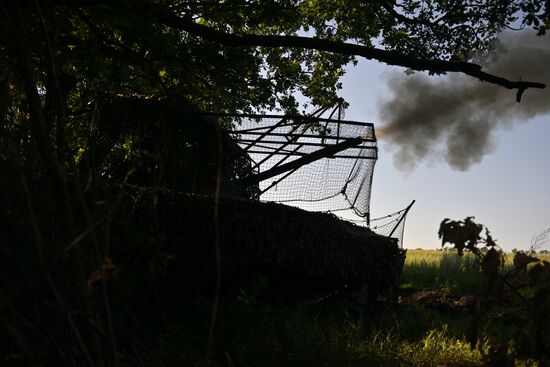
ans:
(341, 333)
(430, 326)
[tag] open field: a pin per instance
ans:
(441, 269)
(444, 269)
(433, 257)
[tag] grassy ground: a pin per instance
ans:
(339, 331)
(342, 333)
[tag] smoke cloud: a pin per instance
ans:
(455, 116)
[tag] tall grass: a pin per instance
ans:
(436, 348)
(441, 269)
(339, 335)
(446, 270)
(450, 261)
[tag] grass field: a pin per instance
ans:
(444, 269)
(441, 269)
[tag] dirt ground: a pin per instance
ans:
(439, 300)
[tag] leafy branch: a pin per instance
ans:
(168, 18)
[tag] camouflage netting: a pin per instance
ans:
(391, 225)
(315, 252)
(165, 156)
(339, 184)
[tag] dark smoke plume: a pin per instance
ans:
(455, 116)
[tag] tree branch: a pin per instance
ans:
(168, 18)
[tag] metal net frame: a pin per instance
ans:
(314, 163)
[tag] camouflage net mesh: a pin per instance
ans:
(391, 225)
(339, 183)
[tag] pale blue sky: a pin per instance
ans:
(509, 191)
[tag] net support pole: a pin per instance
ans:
(402, 218)
(297, 163)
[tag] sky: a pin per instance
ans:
(498, 171)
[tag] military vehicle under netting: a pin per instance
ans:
(192, 181)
